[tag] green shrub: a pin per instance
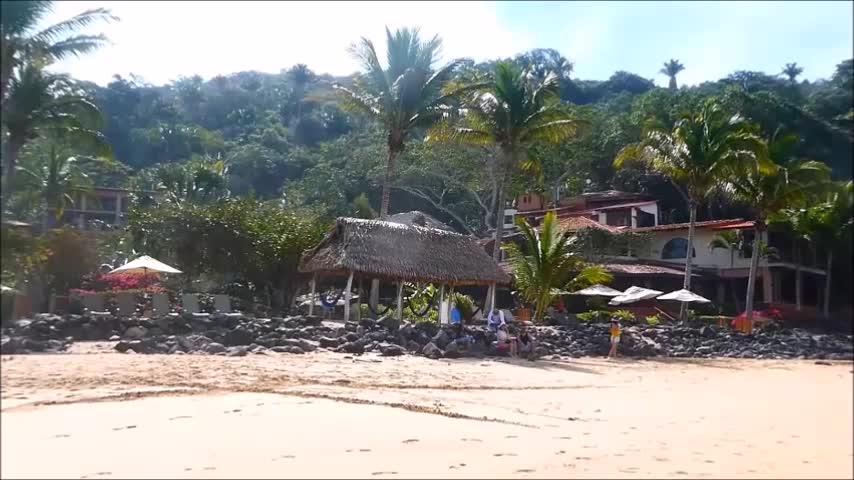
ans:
(653, 319)
(624, 316)
(593, 316)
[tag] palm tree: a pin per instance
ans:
(20, 42)
(545, 267)
(301, 76)
(39, 101)
(695, 156)
(829, 224)
(51, 166)
(792, 70)
(200, 180)
(730, 240)
(404, 96)
(671, 69)
(511, 112)
(789, 183)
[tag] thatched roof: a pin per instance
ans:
(381, 249)
(418, 218)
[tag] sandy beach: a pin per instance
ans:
(93, 414)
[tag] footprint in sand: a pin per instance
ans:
(709, 461)
(582, 458)
(210, 468)
(471, 440)
(454, 467)
(525, 470)
(503, 454)
(364, 449)
(410, 440)
(680, 472)
(61, 435)
(511, 436)
(124, 428)
(286, 457)
(661, 459)
(179, 417)
(188, 469)
(563, 438)
(559, 452)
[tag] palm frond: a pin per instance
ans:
(70, 26)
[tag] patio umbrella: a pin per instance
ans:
(4, 288)
(634, 294)
(598, 291)
(684, 296)
(145, 265)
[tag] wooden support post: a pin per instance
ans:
(359, 301)
(450, 301)
(441, 302)
(400, 300)
(312, 295)
(494, 289)
(348, 295)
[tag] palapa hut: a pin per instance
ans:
(390, 251)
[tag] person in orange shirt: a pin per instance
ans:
(615, 338)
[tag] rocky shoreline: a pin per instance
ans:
(239, 335)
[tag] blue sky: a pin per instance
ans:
(162, 41)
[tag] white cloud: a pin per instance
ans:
(163, 40)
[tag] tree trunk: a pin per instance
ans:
(499, 231)
(751, 279)
(827, 284)
(798, 277)
(673, 82)
(10, 155)
(389, 174)
(689, 256)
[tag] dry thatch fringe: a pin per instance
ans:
(387, 250)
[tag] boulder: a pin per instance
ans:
(136, 332)
(392, 350)
(351, 347)
(237, 351)
(328, 342)
(238, 336)
(214, 348)
(441, 339)
(431, 350)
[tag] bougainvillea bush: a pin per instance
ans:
(114, 282)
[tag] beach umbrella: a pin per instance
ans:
(684, 295)
(598, 290)
(145, 265)
(4, 288)
(634, 294)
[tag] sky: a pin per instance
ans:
(162, 41)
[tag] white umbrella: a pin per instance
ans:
(634, 294)
(145, 265)
(598, 291)
(4, 288)
(684, 296)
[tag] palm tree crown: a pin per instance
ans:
(792, 71)
(404, 95)
(671, 69)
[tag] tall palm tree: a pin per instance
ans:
(21, 42)
(545, 266)
(301, 76)
(511, 111)
(403, 96)
(671, 69)
(39, 101)
(200, 180)
(829, 224)
(792, 70)
(695, 156)
(51, 166)
(788, 183)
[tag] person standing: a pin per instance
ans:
(615, 337)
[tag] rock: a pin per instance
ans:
(431, 350)
(351, 347)
(708, 331)
(307, 345)
(281, 349)
(368, 323)
(441, 339)
(136, 332)
(352, 336)
(328, 342)
(296, 350)
(214, 348)
(392, 351)
(115, 338)
(390, 323)
(413, 346)
(237, 351)
(452, 349)
(238, 336)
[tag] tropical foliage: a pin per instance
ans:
(548, 265)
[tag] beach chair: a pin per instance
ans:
(126, 303)
(160, 304)
(94, 303)
(190, 301)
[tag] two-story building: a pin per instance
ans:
(105, 204)
(719, 274)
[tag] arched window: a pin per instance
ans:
(676, 248)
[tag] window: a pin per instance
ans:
(676, 248)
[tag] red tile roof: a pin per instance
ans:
(628, 269)
(712, 224)
(573, 224)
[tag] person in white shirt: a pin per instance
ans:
(495, 320)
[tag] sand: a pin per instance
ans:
(105, 415)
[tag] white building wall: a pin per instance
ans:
(651, 208)
(718, 258)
